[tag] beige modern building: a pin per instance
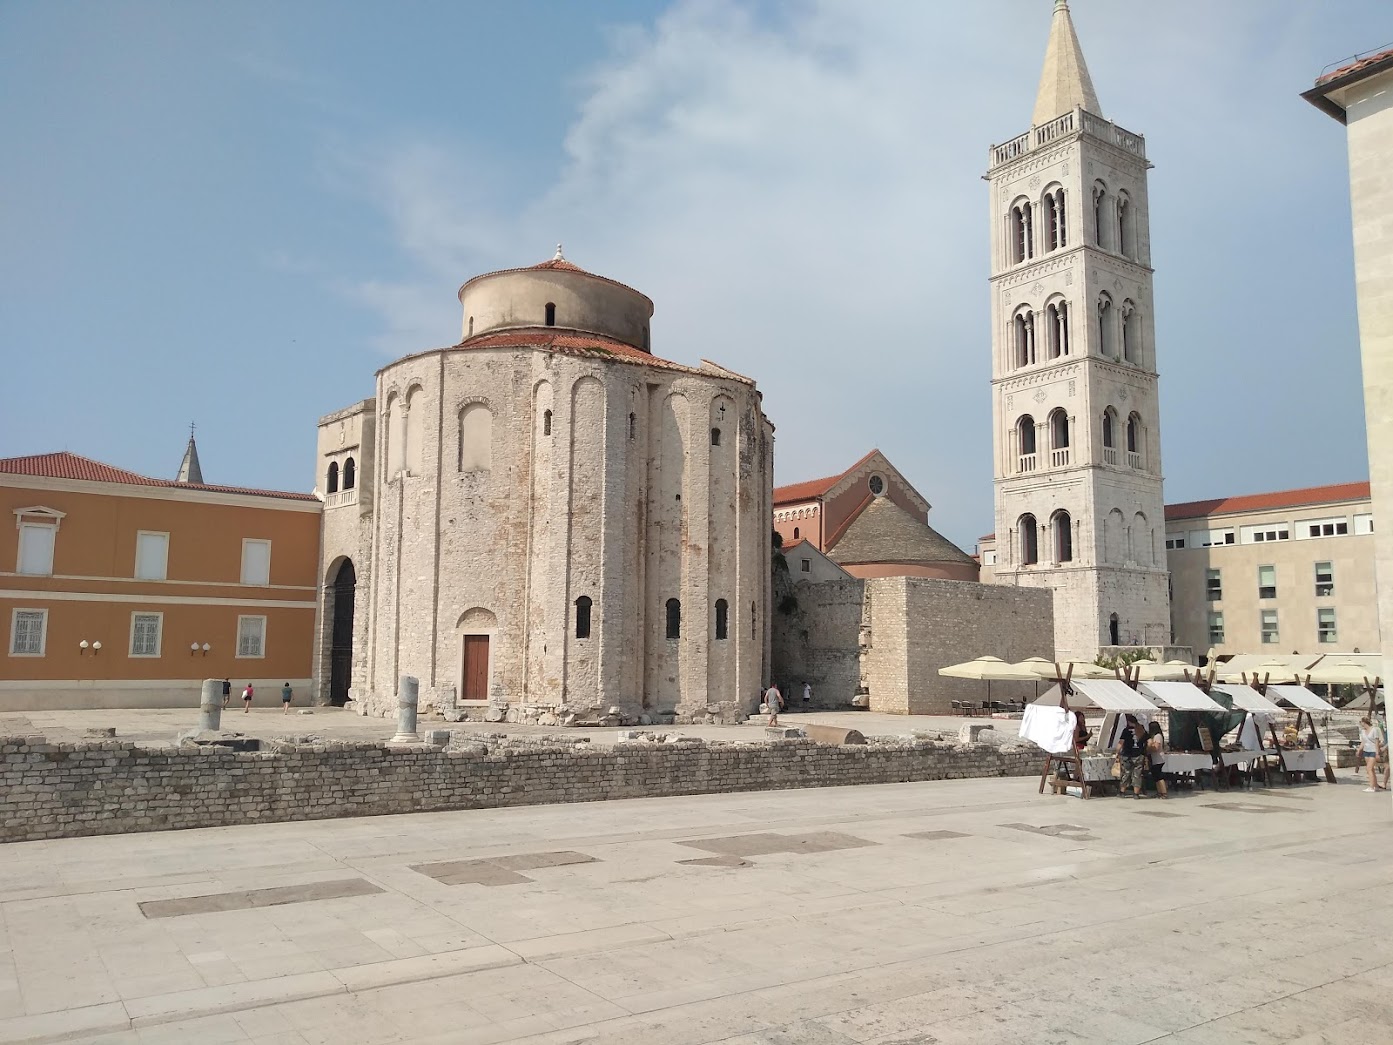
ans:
(1360, 95)
(1076, 424)
(547, 517)
(1286, 572)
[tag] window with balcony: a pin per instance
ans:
(1059, 438)
(1269, 627)
(1325, 625)
(1025, 444)
(1267, 582)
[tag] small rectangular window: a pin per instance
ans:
(805, 566)
(1325, 579)
(36, 548)
(1216, 628)
(1210, 538)
(251, 636)
(145, 634)
(28, 633)
(1325, 625)
(256, 562)
(1267, 582)
(151, 556)
(1213, 586)
(1269, 626)
(1174, 541)
(1363, 524)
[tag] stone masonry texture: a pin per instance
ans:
(111, 787)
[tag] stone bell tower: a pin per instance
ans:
(1076, 434)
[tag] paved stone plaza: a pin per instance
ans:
(962, 911)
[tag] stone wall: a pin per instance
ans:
(817, 638)
(113, 787)
(919, 625)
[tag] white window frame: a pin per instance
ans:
(43, 630)
(251, 656)
(1363, 524)
(1321, 526)
(1325, 589)
(1265, 533)
(1326, 636)
(164, 561)
(159, 635)
(255, 583)
(1212, 538)
(1216, 624)
(37, 527)
(1175, 541)
(1265, 637)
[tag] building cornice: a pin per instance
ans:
(157, 493)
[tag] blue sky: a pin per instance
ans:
(235, 213)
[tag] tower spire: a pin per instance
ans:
(190, 471)
(1064, 81)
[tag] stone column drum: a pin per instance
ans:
(210, 705)
(408, 694)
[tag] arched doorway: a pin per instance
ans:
(1113, 629)
(340, 609)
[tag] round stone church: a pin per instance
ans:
(547, 520)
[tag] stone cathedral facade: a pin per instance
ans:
(546, 519)
(1077, 440)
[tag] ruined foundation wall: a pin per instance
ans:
(111, 787)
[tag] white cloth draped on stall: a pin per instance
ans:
(1049, 727)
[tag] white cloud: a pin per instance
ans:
(798, 192)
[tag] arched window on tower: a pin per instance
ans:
(1129, 333)
(1107, 327)
(795, 533)
(674, 619)
(471, 327)
(1057, 328)
(1126, 227)
(1059, 438)
(715, 437)
(1063, 528)
(1025, 444)
(1023, 332)
(1030, 540)
(1101, 208)
(1109, 436)
(551, 314)
(583, 605)
(546, 422)
(633, 425)
(1055, 232)
(722, 618)
(331, 483)
(1022, 233)
(1134, 441)
(350, 474)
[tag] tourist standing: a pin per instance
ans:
(1370, 749)
(1131, 752)
(286, 696)
(247, 695)
(1156, 748)
(775, 702)
(226, 692)
(807, 696)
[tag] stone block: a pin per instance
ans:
(861, 702)
(438, 737)
(970, 731)
(784, 733)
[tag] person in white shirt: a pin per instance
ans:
(1370, 750)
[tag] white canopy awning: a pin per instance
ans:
(1247, 698)
(1298, 697)
(1112, 695)
(1180, 696)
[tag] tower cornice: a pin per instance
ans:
(1057, 260)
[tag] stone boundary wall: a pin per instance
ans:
(114, 787)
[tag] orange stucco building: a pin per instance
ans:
(118, 590)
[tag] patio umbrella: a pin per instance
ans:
(1270, 670)
(1342, 673)
(988, 669)
(1082, 669)
(1169, 671)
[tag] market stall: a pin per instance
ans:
(1187, 701)
(1258, 715)
(1070, 766)
(1298, 756)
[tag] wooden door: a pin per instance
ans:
(476, 667)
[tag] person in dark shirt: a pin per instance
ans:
(1131, 750)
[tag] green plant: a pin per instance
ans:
(1123, 659)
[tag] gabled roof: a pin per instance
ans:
(64, 465)
(1064, 80)
(882, 531)
(1311, 495)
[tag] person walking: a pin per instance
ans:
(1370, 750)
(285, 698)
(775, 701)
(1131, 752)
(226, 692)
(1156, 749)
(247, 695)
(807, 696)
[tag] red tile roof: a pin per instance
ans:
(1355, 66)
(63, 465)
(814, 488)
(786, 548)
(1263, 501)
(570, 343)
